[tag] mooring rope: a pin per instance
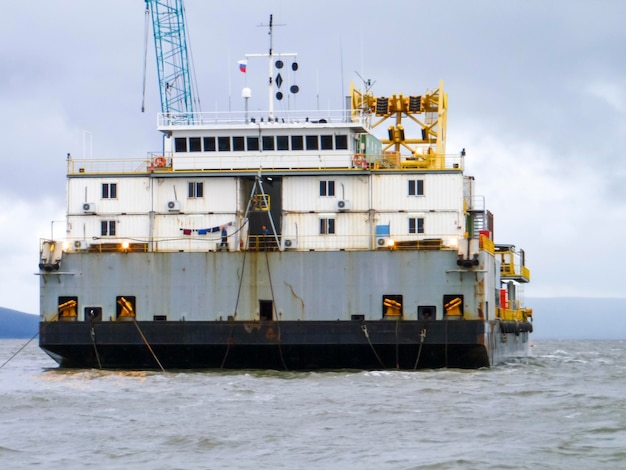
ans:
(39, 330)
(419, 351)
(367, 336)
(95, 348)
(147, 344)
(269, 278)
(19, 350)
(232, 329)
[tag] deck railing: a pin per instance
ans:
(156, 164)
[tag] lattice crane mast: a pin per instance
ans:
(173, 65)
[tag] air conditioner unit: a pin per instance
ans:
(173, 206)
(383, 242)
(89, 207)
(81, 245)
(290, 243)
(343, 205)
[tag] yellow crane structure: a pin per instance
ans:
(426, 113)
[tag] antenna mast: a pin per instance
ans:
(270, 55)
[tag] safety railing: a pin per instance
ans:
(269, 161)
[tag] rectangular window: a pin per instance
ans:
(327, 226)
(453, 305)
(93, 313)
(125, 306)
(195, 144)
(238, 144)
(416, 187)
(297, 142)
(223, 144)
(268, 142)
(341, 142)
(282, 142)
(107, 228)
(209, 144)
(68, 308)
(327, 188)
(312, 142)
(109, 190)
(326, 142)
(196, 189)
(392, 306)
(416, 225)
(180, 144)
(253, 143)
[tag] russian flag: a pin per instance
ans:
(243, 64)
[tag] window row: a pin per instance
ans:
(327, 188)
(125, 306)
(416, 188)
(256, 143)
(327, 226)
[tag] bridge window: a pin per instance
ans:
(341, 142)
(297, 142)
(312, 142)
(253, 143)
(195, 144)
(223, 144)
(326, 142)
(109, 190)
(209, 144)
(282, 142)
(268, 142)
(180, 144)
(327, 188)
(416, 187)
(327, 226)
(239, 144)
(416, 225)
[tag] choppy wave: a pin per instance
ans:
(564, 407)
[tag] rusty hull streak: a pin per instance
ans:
(295, 295)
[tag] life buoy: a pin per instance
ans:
(160, 162)
(359, 160)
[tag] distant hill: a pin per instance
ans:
(578, 318)
(14, 324)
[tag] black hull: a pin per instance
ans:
(285, 345)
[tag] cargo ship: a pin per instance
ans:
(284, 239)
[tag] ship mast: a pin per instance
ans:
(271, 55)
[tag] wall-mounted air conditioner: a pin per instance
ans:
(343, 205)
(81, 245)
(89, 207)
(384, 242)
(290, 243)
(173, 206)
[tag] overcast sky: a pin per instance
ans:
(537, 96)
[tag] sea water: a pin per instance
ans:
(562, 408)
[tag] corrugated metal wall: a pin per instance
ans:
(224, 199)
